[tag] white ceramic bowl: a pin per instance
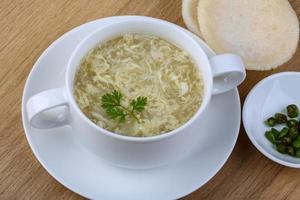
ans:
(226, 71)
(269, 96)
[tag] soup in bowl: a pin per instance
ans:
(138, 65)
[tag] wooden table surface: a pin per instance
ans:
(28, 27)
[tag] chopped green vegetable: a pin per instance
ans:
(275, 132)
(271, 121)
(111, 102)
(296, 143)
(284, 131)
(292, 111)
(281, 148)
(290, 150)
(269, 135)
(286, 140)
(292, 123)
(280, 118)
(293, 132)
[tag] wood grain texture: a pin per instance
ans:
(30, 26)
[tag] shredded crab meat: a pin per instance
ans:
(140, 65)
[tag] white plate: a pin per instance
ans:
(270, 96)
(61, 155)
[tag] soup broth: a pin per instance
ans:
(139, 65)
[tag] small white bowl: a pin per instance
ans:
(270, 96)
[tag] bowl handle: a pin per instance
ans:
(48, 109)
(228, 72)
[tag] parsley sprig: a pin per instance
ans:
(111, 102)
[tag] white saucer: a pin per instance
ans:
(60, 154)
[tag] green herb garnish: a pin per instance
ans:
(112, 103)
